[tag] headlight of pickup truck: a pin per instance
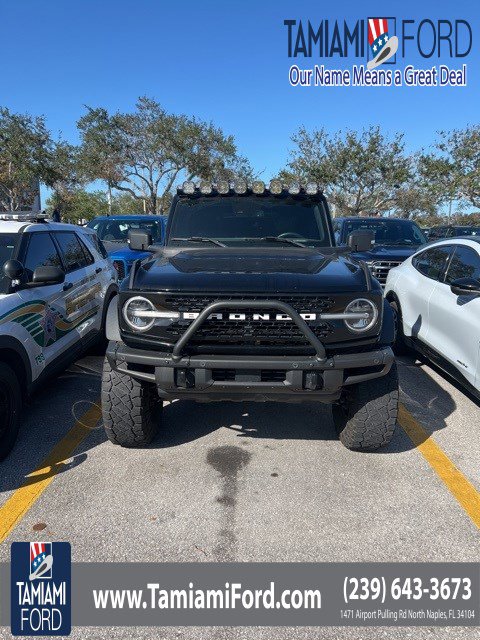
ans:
(364, 315)
(136, 312)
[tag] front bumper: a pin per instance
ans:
(260, 378)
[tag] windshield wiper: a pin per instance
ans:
(296, 243)
(199, 239)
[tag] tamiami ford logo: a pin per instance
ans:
(40, 589)
(378, 48)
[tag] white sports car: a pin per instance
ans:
(436, 298)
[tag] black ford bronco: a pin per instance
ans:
(250, 299)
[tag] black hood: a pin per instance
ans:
(251, 270)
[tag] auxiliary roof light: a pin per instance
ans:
(294, 189)
(205, 187)
(258, 186)
(276, 187)
(223, 186)
(240, 186)
(188, 187)
(311, 188)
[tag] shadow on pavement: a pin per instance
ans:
(48, 418)
(429, 402)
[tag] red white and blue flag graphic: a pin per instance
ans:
(377, 34)
(40, 560)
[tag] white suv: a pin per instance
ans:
(55, 286)
(436, 297)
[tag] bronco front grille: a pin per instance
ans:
(248, 332)
(380, 269)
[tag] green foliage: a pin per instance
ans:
(452, 171)
(78, 205)
(27, 156)
(145, 152)
(364, 172)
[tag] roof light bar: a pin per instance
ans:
(205, 188)
(294, 189)
(311, 188)
(188, 187)
(240, 186)
(223, 186)
(276, 187)
(23, 216)
(258, 187)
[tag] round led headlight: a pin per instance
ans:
(188, 187)
(223, 186)
(258, 186)
(294, 189)
(136, 312)
(311, 188)
(205, 188)
(364, 315)
(276, 187)
(240, 186)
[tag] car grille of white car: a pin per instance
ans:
(380, 269)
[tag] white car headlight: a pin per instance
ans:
(136, 312)
(364, 315)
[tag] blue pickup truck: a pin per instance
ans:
(113, 232)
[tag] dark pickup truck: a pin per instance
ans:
(250, 299)
(393, 241)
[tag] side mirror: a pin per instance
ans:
(13, 269)
(48, 275)
(465, 287)
(139, 240)
(361, 240)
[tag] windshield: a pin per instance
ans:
(234, 221)
(402, 232)
(7, 245)
(467, 231)
(117, 230)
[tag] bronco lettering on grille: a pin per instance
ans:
(244, 317)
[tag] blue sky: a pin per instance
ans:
(222, 61)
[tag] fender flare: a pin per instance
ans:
(387, 335)
(112, 329)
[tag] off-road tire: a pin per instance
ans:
(366, 416)
(10, 407)
(400, 347)
(131, 408)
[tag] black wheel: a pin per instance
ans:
(400, 347)
(10, 406)
(130, 408)
(366, 416)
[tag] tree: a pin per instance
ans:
(361, 173)
(27, 157)
(145, 152)
(78, 205)
(452, 171)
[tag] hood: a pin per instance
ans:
(250, 270)
(387, 252)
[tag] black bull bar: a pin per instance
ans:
(253, 304)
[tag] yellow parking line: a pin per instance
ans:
(35, 484)
(461, 488)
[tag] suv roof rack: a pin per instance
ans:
(23, 216)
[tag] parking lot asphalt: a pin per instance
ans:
(247, 482)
